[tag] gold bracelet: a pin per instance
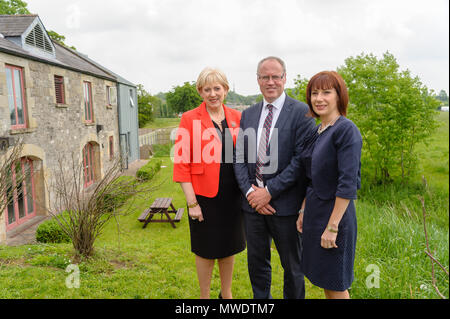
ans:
(192, 205)
(329, 228)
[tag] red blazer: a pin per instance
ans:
(198, 149)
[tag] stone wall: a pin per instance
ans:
(56, 130)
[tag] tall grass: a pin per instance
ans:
(391, 227)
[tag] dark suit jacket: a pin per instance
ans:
(285, 186)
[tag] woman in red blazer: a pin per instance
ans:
(203, 165)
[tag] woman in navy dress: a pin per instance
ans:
(331, 163)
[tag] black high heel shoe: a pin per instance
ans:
(220, 295)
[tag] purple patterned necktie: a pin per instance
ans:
(263, 144)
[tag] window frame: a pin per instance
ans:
(22, 88)
(61, 89)
(88, 104)
(29, 212)
(111, 147)
(88, 165)
(108, 98)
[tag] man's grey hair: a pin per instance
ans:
(271, 58)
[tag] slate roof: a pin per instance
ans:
(16, 25)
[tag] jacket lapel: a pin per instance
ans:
(284, 114)
(254, 116)
(207, 122)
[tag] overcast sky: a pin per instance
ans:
(163, 43)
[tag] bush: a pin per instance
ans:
(50, 232)
(146, 172)
(112, 200)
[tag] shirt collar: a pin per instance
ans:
(278, 103)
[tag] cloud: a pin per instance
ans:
(165, 43)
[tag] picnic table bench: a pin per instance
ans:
(161, 206)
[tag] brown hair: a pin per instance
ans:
(328, 80)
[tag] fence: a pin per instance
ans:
(160, 136)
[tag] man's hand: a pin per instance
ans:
(259, 200)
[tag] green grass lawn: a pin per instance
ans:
(156, 262)
(160, 122)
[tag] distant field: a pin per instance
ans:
(434, 155)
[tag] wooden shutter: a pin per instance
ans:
(59, 89)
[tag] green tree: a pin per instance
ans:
(147, 104)
(59, 38)
(13, 7)
(299, 91)
(443, 97)
(393, 110)
(183, 98)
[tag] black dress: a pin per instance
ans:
(221, 233)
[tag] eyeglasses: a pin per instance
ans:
(267, 78)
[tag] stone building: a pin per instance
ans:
(59, 103)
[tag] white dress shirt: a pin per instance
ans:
(277, 106)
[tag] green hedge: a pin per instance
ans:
(50, 231)
(146, 172)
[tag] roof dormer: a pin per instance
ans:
(36, 39)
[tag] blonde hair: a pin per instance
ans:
(211, 75)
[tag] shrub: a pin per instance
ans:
(115, 200)
(51, 232)
(146, 172)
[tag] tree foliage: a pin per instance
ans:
(148, 104)
(299, 91)
(443, 97)
(59, 38)
(393, 110)
(183, 98)
(13, 7)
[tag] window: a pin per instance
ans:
(88, 108)
(59, 90)
(108, 98)
(21, 195)
(88, 164)
(131, 98)
(111, 95)
(111, 147)
(16, 97)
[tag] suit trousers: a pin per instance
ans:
(260, 230)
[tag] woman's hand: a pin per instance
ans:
(328, 239)
(196, 213)
(300, 222)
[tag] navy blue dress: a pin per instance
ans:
(331, 163)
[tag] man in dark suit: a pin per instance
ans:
(267, 170)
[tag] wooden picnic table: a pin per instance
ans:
(161, 206)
